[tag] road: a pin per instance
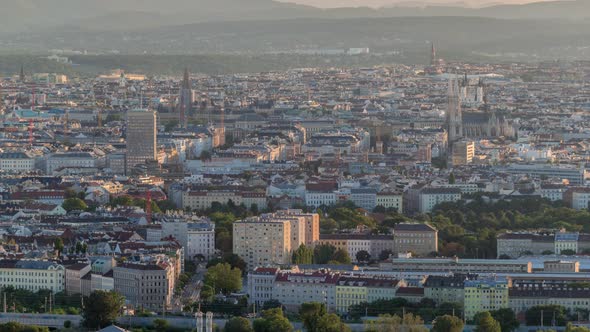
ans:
(190, 292)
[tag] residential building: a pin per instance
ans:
(463, 152)
(428, 197)
(33, 275)
(197, 236)
(260, 284)
(293, 289)
(419, 239)
(312, 224)
(446, 289)
(17, 162)
(365, 198)
(57, 162)
(456, 265)
(390, 200)
(74, 275)
(198, 200)
(354, 290)
(353, 243)
(485, 295)
(525, 296)
(263, 241)
(573, 175)
(148, 285)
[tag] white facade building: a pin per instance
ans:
(17, 162)
(32, 275)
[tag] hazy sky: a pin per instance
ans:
(381, 3)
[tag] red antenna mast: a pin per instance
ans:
(148, 206)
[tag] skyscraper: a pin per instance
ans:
(185, 100)
(141, 137)
(454, 117)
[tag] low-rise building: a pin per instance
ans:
(74, 275)
(446, 289)
(390, 200)
(33, 275)
(353, 290)
(419, 239)
(429, 197)
(485, 295)
(17, 162)
(353, 243)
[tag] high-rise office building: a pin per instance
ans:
(141, 137)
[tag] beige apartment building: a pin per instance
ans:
(263, 241)
(270, 239)
(420, 239)
(146, 285)
(312, 224)
(463, 152)
(202, 199)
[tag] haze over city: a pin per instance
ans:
(390, 3)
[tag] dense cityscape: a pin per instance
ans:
(443, 196)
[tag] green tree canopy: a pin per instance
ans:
(447, 323)
(340, 256)
(18, 327)
(310, 313)
(363, 256)
(238, 324)
(487, 323)
(102, 308)
(58, 244)
(71, 204)
(224, 278)
(547, 313)
(507, 319)
(303, 255)
(272, 320)
(330, 323)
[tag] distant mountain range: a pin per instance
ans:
(39, 15)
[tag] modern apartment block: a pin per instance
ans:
(270, 239)
(263, 241)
